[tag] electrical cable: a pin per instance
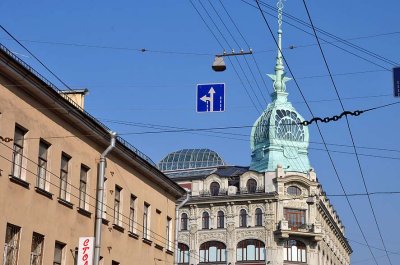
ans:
(343, 49)
(237, 60)
(244, 57)
(37, 59)
(234, 68)
(341, 40)
(349, 129)
(319, 130)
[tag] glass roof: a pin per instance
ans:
(190, 159)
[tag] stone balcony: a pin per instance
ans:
(310, 231)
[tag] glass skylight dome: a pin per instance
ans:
(190, 159)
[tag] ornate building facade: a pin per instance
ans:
(272, 212)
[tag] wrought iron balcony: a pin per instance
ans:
(285, 229)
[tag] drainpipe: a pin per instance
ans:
(177, 225)
(100, 197)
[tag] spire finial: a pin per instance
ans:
(279, 76)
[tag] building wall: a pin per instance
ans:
(322, 242)
(34, 210)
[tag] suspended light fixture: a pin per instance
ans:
(219, 64)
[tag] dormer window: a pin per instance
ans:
(294, 191)
(251, 186)
(214, 188)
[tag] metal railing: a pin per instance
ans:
(55, 88)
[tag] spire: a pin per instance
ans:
(279, 76)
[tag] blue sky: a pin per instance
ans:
(95, 45)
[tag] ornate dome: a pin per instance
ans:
(277, 137)
(279, 123)
(190, 159)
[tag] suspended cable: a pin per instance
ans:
(319, 130)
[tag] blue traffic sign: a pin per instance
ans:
(210, 98)
(396, 81)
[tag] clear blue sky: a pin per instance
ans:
(158, 88)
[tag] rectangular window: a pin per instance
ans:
(11, 245)
(42, 165)
(117, 205)
(83, 186)
(146, 220)
(58, 253)
(132, 213)
(18, 151)
(169, 233)
(64, 176)
(37, 249)
(296, 218)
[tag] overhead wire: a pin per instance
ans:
(349, 129)
(220, 44)
(330, 35)
(244, 57)
(36, 58)
(299, 162)
(319, 130)
(259, 108)
(337, 46)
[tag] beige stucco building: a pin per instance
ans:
(49, 177)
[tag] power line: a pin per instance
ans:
(349, 128)
(341, 48)
(219, 42)
(319, 130)
(341, 40)
(37, 59)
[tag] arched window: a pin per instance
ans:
(243, 218)
(258, 217)
(206, 220)
(294, 191)
(251, 186)
(212, 251)
(214, 188)
(250, 249)
(220, 219)
(184, 221)
(294, 251)
(183, 254)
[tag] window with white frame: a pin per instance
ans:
(37, 249)
(58, 253)
(117, 205)
(11, 244)
(169, 233)
(146, 213)
(132, 213)
(183, 254)
(83, 186)
(18, 153)
(184, 222)
(294, 250)
(64, 176)
(42, 165)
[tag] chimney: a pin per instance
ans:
(76, 95)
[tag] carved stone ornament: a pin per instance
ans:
(183, 238)
(296, 204)
(204, 237)
(250, 234)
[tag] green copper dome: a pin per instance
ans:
(277, 137)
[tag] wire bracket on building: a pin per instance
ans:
(334, 118)
(5, 139)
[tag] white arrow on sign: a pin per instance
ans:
(210, 99)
